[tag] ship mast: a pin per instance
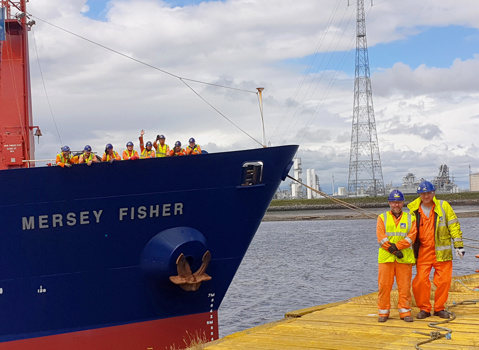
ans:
(16, 127)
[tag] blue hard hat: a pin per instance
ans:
(191, 140)
(395, 195)
(109, 146)
(149, 144)
(425, 186)
(87, 148)
(65, 149)
(129, 143)
(177, 144)
(162, 137)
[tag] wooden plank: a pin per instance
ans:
(353, 324)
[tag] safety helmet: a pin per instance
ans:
(65, 149)
(109, 146)
(87, 148)
(129, 143)
(425, 186)
(191, 140)
(177, 144)
(149, 144)
(395, 195)
(162, 137)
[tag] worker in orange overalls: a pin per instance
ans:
(177, 150)
(87, 156)
(110, 155)
(437, 225)
(162, 149)
(193, 148)
(64, 158)
(146, 152)
(396, 232)
(129, 153)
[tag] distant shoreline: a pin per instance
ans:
(278, 213)
(269, 217)
(472, 202)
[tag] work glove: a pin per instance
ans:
(392, 248)
(399, 254)
(460, 252)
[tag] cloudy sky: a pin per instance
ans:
(423, 55)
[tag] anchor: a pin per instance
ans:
(187, 280)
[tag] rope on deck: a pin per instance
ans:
(472, 289)
(437, 334)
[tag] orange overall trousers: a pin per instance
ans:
(421, 286)
(387, 271)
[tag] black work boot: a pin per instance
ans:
(423, 314)
(442, 314)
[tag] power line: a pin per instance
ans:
(182, 79)
(45, 88)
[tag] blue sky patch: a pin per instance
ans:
(435, 47)
(98, 7)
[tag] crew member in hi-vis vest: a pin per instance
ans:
(146, 151)
(396, 232)
(437, 226)
(162, 149)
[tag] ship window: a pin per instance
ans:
(252, 173)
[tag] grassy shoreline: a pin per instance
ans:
(463, 198)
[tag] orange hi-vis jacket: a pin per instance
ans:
(129, 155)
(194, 150)
(107, 157)
(62, 160)
(144, 152)
(174, 153)
(147, 154)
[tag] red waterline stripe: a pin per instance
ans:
(177, 332)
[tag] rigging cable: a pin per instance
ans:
(314, 80)
(332, 79)
(310, 64)
(44, 87)
(353, 207)
(182, 79)
(329, 87)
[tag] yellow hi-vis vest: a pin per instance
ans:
(63, 159)
(87, 159)
(161, 151)
(113, 156)
(447, 228)
(395, 234)
(146, 153)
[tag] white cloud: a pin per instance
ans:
(98, 96)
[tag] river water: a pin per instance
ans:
(291, 265)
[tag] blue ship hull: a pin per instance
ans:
(94, 247)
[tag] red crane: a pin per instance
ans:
(16, 128)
